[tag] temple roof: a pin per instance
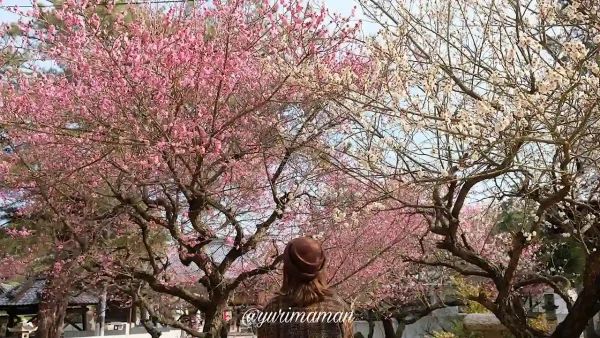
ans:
(5, 288)
(29, 293)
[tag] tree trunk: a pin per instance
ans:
(590, 330)
(400, 330)
(371, 321)
(11, 323)
(224, 329)
(151, 329)
(52, 311)
(587, 304)
(512, 315)
(388, 328)
(585, 308)
(54, 302)
(576, 321)
(213, 321)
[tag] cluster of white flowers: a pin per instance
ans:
(558, 76)
(374, 155)
(338, 215)
(388, 140)
(546, 86)
(588, 222)
(496, 78)
(572, 11)
(319, 235)
(378, 206)
(447, 87)
(593, 65)
(529, 235)
(547, 11)
(529, 42)
(559, 269)
(483, 107)
(575, 49)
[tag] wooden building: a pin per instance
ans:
(23, 301)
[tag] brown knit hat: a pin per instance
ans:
(304, 259)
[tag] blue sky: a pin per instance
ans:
(6, 16)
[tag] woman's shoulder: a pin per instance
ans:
(334, 302)
(275, 303)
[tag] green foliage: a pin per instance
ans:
(566, 258)
(509, 217)
(40, 243)
(107, 18)
(12, 60)
(47, 232)
(513, 217)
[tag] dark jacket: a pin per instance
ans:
(310, 328)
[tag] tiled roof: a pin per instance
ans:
(5, 288)
(28, 293)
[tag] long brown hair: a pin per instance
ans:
(304, 293)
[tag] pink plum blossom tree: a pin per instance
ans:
(194, 123)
